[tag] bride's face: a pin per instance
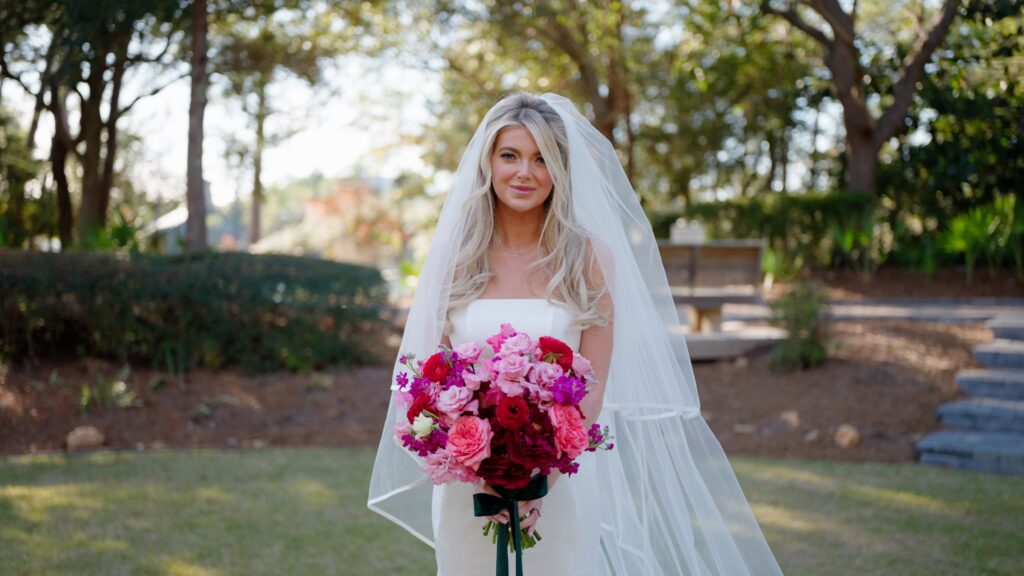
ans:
(518, 173)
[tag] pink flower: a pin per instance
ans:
(469, 351)
(511, 386)
(545, 374)
(454, 400)
(474, 379)
(518, 345)
(443, 468)
(469, 441)
(498, 339)
(511, 367)
(570, 437)
(581, 366)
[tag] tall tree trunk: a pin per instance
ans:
(91, 218)
(110, 126)
(864, 135)
(257, 164)
(60, 146)
(195, 226)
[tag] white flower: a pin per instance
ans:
(422, 426)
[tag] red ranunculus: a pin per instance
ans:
(512, 412)
(436, 369)
(418, 405)
(556, 351)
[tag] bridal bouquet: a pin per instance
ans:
(507, 420)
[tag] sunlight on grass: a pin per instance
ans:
(303, 511)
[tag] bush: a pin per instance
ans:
(799, 313)
(260, 312)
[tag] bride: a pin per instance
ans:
(542, 230)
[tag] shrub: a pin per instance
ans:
(799, 312)
(260, 312)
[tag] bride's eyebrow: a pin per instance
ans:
(516, 150)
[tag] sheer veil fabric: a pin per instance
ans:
(670, 502)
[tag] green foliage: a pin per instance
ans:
(799, 312)
(109, 391)
(261, 312)
(805, 229)
(20, 217)
(994, 231)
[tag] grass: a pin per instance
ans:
(303, 512)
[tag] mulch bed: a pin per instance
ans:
(886, 378)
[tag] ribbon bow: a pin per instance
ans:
(488, 505)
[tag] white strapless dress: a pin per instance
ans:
(570, 526)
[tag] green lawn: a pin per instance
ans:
(303, 512)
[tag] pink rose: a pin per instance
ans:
(469, 351)
(581, 366)
(545, 374)
(469, 441)
(518, 345)
(498, 339)
(511, 367)
(570, 437)
(482, 374)
(454, 400)
(511, 386)
(443, 468)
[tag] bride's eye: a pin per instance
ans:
(508, 156)
(540, 160)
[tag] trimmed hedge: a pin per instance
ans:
(259, 312)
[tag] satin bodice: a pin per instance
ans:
(537, 317)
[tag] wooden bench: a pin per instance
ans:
(706, 276)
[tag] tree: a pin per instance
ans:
(586, 50)
(834, 28)
(274, 38)
(195, 226)
(91, 49)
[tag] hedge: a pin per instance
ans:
(258, 312)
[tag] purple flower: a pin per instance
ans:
(432, 443)
(568, 390)
(402, 379)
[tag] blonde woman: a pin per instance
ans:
(543, 230)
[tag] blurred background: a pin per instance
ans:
(213, 214)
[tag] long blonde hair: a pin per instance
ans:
(568, 256)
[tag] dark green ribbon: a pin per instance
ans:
(488, 505)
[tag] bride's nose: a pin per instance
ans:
(523, 170)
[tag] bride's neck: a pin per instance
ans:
(518, 229)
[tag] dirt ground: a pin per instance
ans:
(886, 378)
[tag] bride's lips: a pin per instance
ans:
(522, 190)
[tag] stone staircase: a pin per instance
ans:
(985, 430)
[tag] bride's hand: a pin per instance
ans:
(530, 512)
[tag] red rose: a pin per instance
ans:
(512, 412)
(503, 472)
(418, 405)
(436, 369)
(555, 351)
(532, 451)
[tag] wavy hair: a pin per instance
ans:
(568, 257)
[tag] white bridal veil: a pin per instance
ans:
(670, 503)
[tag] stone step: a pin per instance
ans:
(1000, 354)
(984, 414)
(1004, 383)
(984, 451)
(1007, 326)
